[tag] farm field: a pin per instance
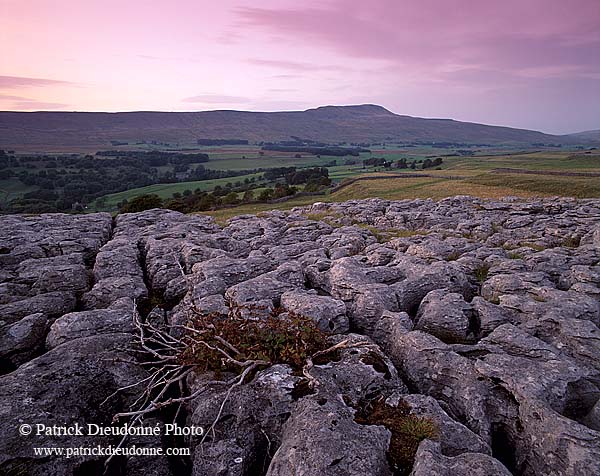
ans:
(164, 190)
(482, 171)
(476, 176)
(478, 173)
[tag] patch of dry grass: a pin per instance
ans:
(434, 188)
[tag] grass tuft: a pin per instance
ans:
(408, 430)
(571, 242)
(481, 272)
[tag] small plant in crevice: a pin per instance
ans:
(453, 256)
(538, 298)
(515, 255)
(571, 242)
(232, 348)
(481, 272)
(408, 430)
(277, 339)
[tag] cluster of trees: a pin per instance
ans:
(428, 163)
(402, 163)
(156, 158)
(376, 162)
(70, 182)
(198, 200)
(424, 164)
(307, 175)
(315, 178)
(446, 145)
(329, 150)
(278, 172)
(295, 142)
(222, 142)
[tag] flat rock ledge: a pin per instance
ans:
(482, 316)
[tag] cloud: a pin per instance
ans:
(282, 64)
(8, 97)
(286, 76)
(427, 36)
(297, 66)
(20, 103)
(216, 99)
(11, 82)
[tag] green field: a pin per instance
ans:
(480, 174)
(477, 172)
(476, 176)
(165, 190)
(13, 188)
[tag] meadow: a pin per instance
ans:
(480, 176)
(479, 171)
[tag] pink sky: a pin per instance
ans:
(522, 63)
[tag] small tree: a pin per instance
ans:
(248, 196)
(141, 203)
(266, 194)
(231, 199)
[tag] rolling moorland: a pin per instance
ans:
(218, 160)
(61, 131)
(226, 180)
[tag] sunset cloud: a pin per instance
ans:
(27, 104)
(438, 33)
(216, 99)
(522, 63)
(11, 82)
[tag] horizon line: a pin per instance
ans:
(288, 111)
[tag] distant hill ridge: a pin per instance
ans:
(359, 123)
(593, 136)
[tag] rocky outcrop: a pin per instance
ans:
(479, 318)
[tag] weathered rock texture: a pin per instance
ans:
(481, 316)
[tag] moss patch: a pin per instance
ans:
(408, 430)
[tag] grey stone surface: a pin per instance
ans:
(430, 462)
(482, 315)
(327, 312)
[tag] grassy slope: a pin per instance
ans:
(13, 188)
(366, 123)
(478, 179)
(166, 190)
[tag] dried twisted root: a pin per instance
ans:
(162, 353)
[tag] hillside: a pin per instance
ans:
(591, 136)
(364, 123)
